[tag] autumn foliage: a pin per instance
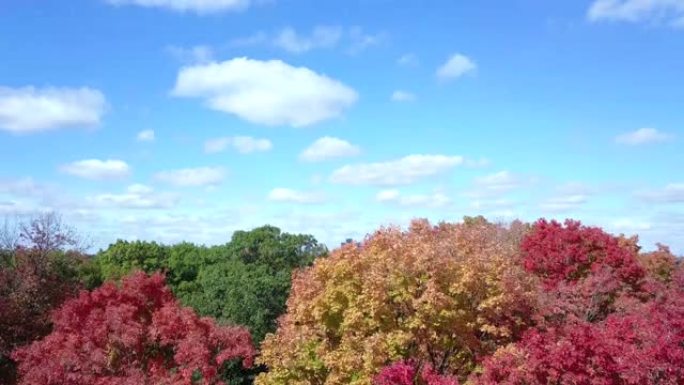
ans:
(133, 334)
(446, 295)
(606, 318)
(472, 303)
(412, 373)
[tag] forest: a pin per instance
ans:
(467, 302)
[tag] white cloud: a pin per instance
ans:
(197, 6)
(408, 60)
(320, 37)
(192, 177)
(96, 169)
(293, 196)
(402, 96)
(564, 203)
(669, 12)
(137, 196)
(266, 92)
(437, 199)
(30, 109)
(402, 171)
(242, 144)
(328, 147)
(194, 54)
(643, 136)
(672, 193)
(145, 136)
(456, 66)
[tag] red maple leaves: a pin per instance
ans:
(133, 334)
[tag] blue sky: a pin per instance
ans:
(175, 120)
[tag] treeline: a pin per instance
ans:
(472, 302)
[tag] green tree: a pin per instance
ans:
(122, 257)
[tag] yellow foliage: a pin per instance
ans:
(448, 294)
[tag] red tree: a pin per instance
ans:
(411, 373)
(586, 273)
(133, 334)
(572, 252)
(602, 321)
(30, 288)
(643, 347)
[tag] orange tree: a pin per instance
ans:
(446, 295)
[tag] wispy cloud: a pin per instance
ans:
(96, 169)
(194, 54)
(242, 144)
(352, 40)
(436, 199)
(402, 96)
(197, 6)
(408, 60)
(136, 196)
(361, 40)
(192, 177)
(321, 37)
(668, 12)
(406, 170)
(30, 109)
(564, 203)
(287, 195)
(671, 193)
(643, 136)
(145, 136)
(271, 93)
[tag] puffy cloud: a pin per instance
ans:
(145, 136)
(192, 177)
(320, 37)
(456, 66)
(266, 92)
(96, 169)
(328, 147)
(197, 6)
(242, 144)
(294, 196)
(670, 12)
(402, 171)
(402, 96)
(30, 109)
(642, 136)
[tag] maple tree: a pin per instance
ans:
(446, 294)
(133, 334)
(642, 347)
(601, 319)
